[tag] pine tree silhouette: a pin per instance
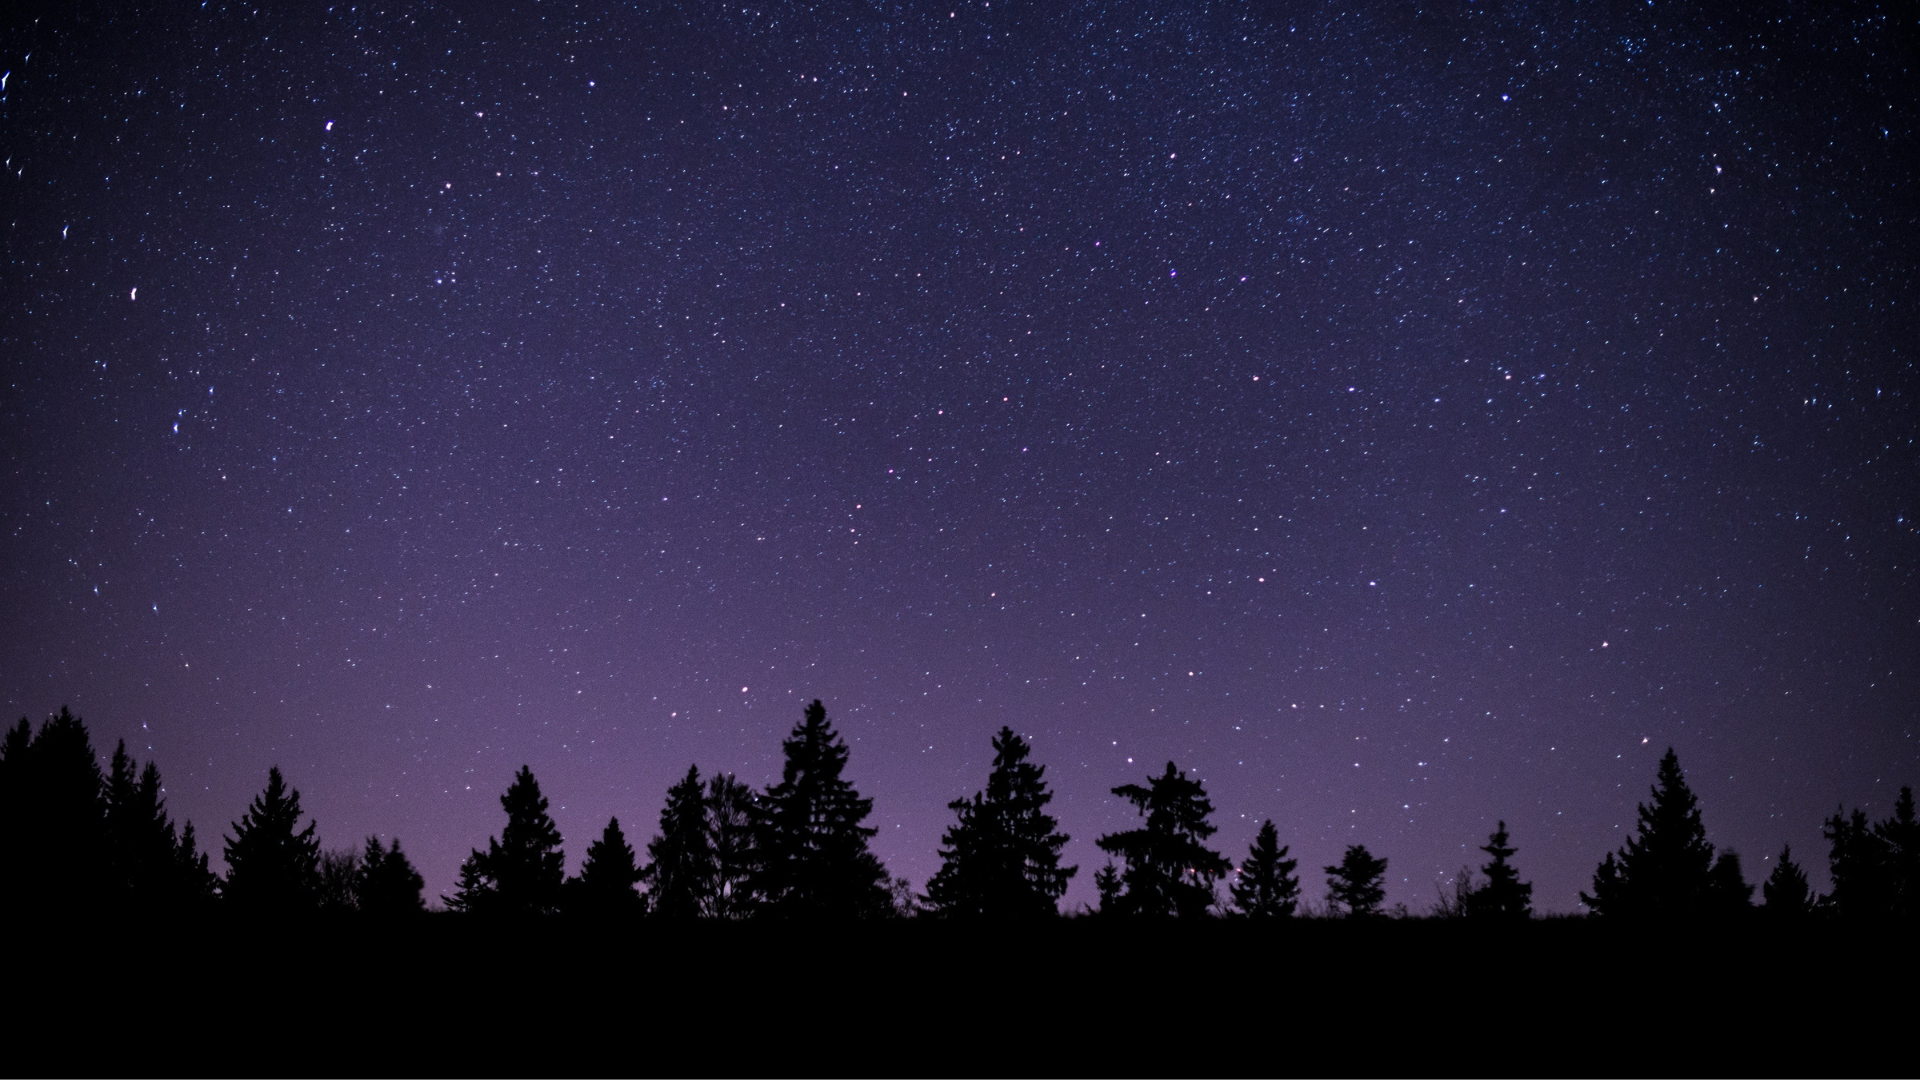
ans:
(730, 808)
(1357, 885)
(151, 867)
(1875, 867)
(605, 887)
(522, 872)
(1786, 891)
(1666, 868)
(813, 857)
(1503, 895)
(682, 869)
(272, 869)
(1001, 860)
(1106, 881)
(389, 886)
(1169, 870)
(57, 855)
(1267, 887)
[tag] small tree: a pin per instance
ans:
(1502, 895)
(730, 809)
(1727, 890)
(1001, 859)
(1666, 869)
(1266, 886)
(1786, 892)
(681, 871)
(1357, 885)
(340, 880)
(605, 886)
(522, 872)
(388, 885)
(813, 859)
(273, 866)
(1169, 870)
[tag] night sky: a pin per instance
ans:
(1403, 418)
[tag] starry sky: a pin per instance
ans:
(1405, 418)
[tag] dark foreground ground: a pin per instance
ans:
(445, 996)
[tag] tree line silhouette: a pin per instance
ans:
(74, 837)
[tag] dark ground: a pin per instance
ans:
(448, 997)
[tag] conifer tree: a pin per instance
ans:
(813, 860)
(681, 868)
(53, 840)
(1001, 860)
(523, 871)
(151, 867)
(273, 866)
(1503, 895)
(730, 807)
(1169, 870)
(605, 887)
(1900, 836)
(1786, 891)
(1357, 886)
(1266, 886)
(388, 885)
(1875, 867)
(1666, 869)
(1106, 881)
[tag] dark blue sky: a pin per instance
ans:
(1403, 418)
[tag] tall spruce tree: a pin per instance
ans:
(813, 860)
(273, 865)
(1786, 892)
(605, 887)
(681, 867)
(1266, 886)
(730, 808)
(523, 871)
(55, 853)
(1666, 868)
(389, 885)
(1356, 886)
(151, 866)
(1168, 869)
(1001, 859)
(1502, 895)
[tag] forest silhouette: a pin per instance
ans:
(78, 837)
(756, 931)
